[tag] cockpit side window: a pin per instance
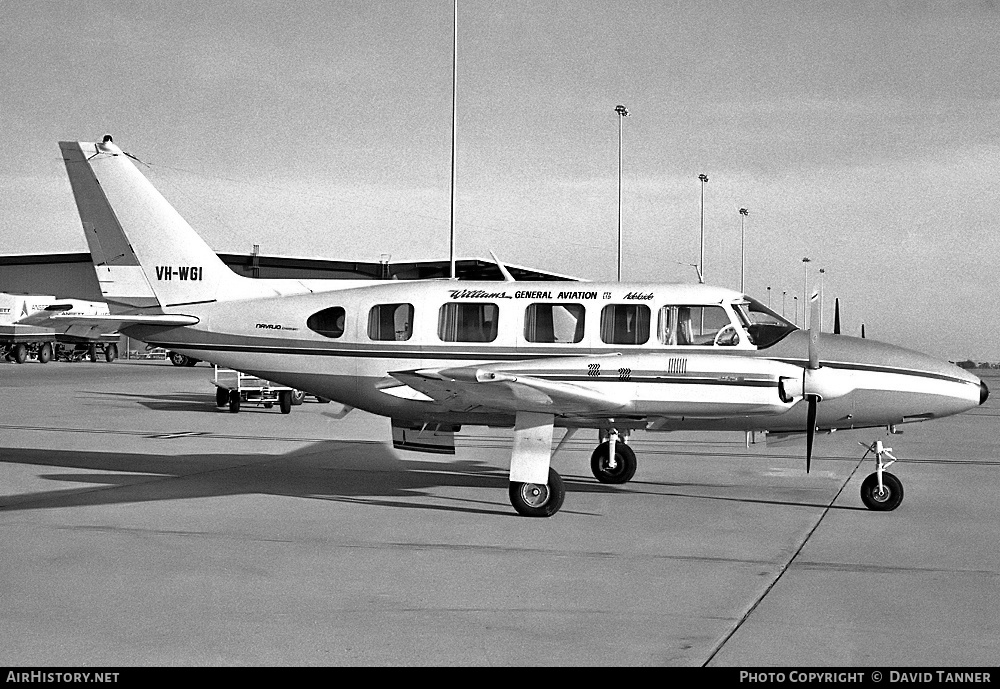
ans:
(696, 325)
(764, 326)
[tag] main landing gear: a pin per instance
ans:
(881, 491)
(536, 500)
(529, 464)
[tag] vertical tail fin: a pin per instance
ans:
(145, 254)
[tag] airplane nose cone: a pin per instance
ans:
(984, 392)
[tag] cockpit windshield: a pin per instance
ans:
(763, 325)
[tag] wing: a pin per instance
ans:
(501, 387)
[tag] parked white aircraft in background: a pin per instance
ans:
(436, 355)
(41, 325)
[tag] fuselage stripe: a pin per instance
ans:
(487, 354)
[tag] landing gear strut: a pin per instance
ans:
(881, 491)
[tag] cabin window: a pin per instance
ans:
(390, 322)
(696, 325)
(328, 322)
(464, 322)
(554, 323)
(625, 324)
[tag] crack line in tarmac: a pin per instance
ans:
(781, 572)
(171, 435)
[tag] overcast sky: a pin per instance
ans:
(863, 135)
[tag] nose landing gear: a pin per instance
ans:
(613, 461)
(881, 491)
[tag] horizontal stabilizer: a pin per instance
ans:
(122, 320)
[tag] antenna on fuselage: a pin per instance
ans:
(507, 277)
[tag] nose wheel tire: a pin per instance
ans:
(537, 500)
(885, 500)
(620, 471)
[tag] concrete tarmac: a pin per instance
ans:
(140, 525)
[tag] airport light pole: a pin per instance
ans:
(701, 260)
(768, 296)
(783, 293)
(622, 114)
(743, 250)
(454, 142)
(796, 299)
(822, 272)
(805, 291)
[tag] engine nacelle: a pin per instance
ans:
(824, 383)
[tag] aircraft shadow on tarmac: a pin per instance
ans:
(184, 402)
(363, 472)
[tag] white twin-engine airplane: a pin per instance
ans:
(435, 355)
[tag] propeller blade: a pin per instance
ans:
(836, 316)
(816, 325)
(810, 430)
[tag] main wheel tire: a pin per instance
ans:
(178, 359)
(285, 401)
(888, 499)
(45, 353)
(234, 401)
(20, 352)
(110, 352)
(92, 350)
(298, 397)
(535, 500)
(625, 463)
(221, 397)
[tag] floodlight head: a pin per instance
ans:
(703, 177)
(621, 110)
